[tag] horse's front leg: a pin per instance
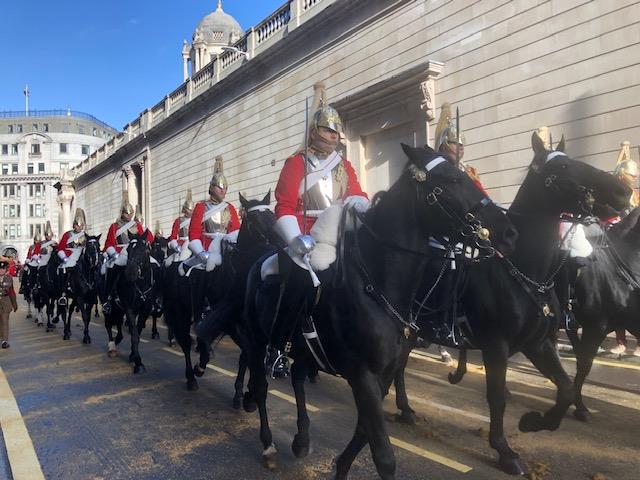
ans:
(85, 311)
(154, 328)
(134, 332)
(183, 337)
(406, 415)
(112, 350)
(495, 362)
(546, 360)
(300, 445)
(51, 303)
(594, 331)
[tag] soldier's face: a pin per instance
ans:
(187, 212)
(127, 217)
(218, 193)
(328, 134)
(453, 151)
(76, 228)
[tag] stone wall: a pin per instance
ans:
(510, 66)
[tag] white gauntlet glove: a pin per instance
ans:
(360, 203)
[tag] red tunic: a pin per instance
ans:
(196, 230)
(175, 231)
(63, 243)
(111, 240)
(30, 252)
(288, 199)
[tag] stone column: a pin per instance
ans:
(66, 194)
(185, 60)
(428, 87)
(132, 189)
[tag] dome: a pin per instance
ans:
(218, 27)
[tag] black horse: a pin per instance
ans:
(159, 253)
(81, 285)
(607, 296)
(254, 241)
(26, 287)
(133, 287)
(510, 302)
(46, 291)
(364, 320)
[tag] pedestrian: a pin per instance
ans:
(7, 301)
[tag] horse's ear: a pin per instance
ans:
(267, 198)
(98, 237)
(560, 147)
(408, 151)
(537, 144)
(243, 201)
(429, 149)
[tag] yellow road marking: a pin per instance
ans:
(446, 408)
(22, 456)
(447, 462)
(608, 363)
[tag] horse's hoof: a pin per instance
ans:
(155, 336)
(299, 448)
(118, 338)
(139, 369)
(248, 403)
(112, 353)
(237, 402)
(406, 417)
(132, 358)
(512, 466)
(66, 336)
(172, 343)
(582, 414)
(192, 385)
(40, 324)
(269, 457)
(531, 422)
(198, 371)
(29, 315)
(86, 340)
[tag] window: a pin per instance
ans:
(34, 127)
(6, 231)
(5, 149)
(10, 128)
(19, 230)
(12, 210)
(35, 148)
(19, 128)
(31, 210)
(45, 127)
(14, 169)
(5, 211)
(81, 129)
(30, 168)
(38, 210)
(41, 167)
(85, 149)
(12, 231)
(14, 149)
(94, 132)
(64, 166)
(5, 169)
(64, 147)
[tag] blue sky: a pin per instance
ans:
(110, 58)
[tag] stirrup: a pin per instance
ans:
(106, 307)
(276, 363)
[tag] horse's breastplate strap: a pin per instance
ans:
(79, 242)
(218, 222)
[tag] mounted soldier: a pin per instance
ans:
(179, 238)
(118, 238)
(316, 177)
(213, 220)
(43, 249)
(70, 248)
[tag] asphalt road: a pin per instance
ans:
(88, 417)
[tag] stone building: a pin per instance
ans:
(510, 66)
(37, 150)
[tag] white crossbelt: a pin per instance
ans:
(213, 210)
(322, 171)
(125, 227)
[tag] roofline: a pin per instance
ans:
(62, 112)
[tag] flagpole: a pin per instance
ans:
(26, 99)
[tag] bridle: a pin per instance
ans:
(137, 264)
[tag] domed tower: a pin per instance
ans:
(215, 31)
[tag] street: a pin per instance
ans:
(89, 417)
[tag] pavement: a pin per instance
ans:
(86, 416)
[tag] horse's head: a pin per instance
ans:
(450, 204)
(138, 255)
(159, 248)
(257, 218)
(92, 251)
(571, 186)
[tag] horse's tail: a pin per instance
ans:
(456, 377)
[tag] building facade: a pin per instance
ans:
(509, 66)
(37, 151)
